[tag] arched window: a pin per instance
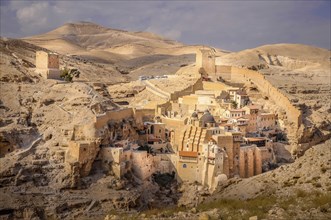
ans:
(184, 165)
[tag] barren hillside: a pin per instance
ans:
(129, 53)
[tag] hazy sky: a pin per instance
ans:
(231, 25)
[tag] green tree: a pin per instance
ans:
(234, 104)
(68, 74)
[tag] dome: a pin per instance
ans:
(194, 115)
(207, 118)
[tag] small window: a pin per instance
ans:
(184, 165)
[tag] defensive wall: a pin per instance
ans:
(215, 86)
(157, 91)
(138, 114)
(241, 75)
(187, 91)
(223, 71)
(176, 94)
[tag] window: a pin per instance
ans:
(184, 165)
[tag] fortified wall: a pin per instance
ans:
(205, 57)
(210, 86)
(241, 75)
(223, 71)
(138, 114)
(187, 91)
(294, 115)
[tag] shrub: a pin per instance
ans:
(318, 185)
(68, 74)
(323, 169)
(301, 193)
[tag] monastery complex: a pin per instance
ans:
(207, 133)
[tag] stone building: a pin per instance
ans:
(205, 61)
(251, 114)
(266, 121)
(250, 161)
(47, 64)
(83, 152)
(234, 113)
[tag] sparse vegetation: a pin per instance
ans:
(323, 169)
(301, 193)
(259, 206)
(234, 104)
(68, 74)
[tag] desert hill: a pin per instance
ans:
(292, 56)
(128, 52)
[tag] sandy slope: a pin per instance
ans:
(130, 53)
(268, 54)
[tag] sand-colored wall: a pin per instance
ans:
(41, 60)
(162, 108)
(176, 127)
(188, 170)
(157, 91)
(293, 114)
(53, 61)
(190, 100)
(83, 152)
(224, 71)
(187, 91)
(266, 155)
(250, 161)
(266, 121)
(258, 161)
(211, 86)
(144, 164)
(46, 60)
(102, 120)
(226, 142)
(206, 59)
(142, 115)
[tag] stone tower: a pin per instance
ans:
(205, 60)
(47, 64)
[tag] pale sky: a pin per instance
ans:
(229, 25)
